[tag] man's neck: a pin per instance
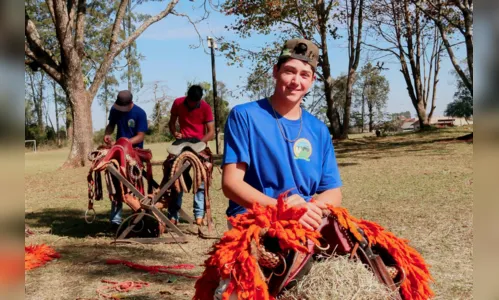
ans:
(290, 111)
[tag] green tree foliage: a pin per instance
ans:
(401, 30)
(315, 103)
(222, 104)
(82, 42)
(462, 106)
(132, 73)
(161, 110)
(372, 90)
(397, 116)
(454, 20)
(108, 93)
(314, 20)
(259, 85)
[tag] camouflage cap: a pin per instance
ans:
(301, 49)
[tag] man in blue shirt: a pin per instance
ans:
(131, 121)
(272, 145)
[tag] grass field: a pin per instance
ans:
(419, 186)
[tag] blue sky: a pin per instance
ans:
(171, 60)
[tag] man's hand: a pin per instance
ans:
(295, 200)
(312, 219)
(108, 140)
(178, 135)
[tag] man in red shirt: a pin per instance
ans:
(195, 118)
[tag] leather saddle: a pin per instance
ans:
(337, 241)
(181, 145)
(130, 163)
(122, 152)
(194, 145)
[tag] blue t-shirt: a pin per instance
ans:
(129, 123)
(307, 166)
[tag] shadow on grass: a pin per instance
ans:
(67, 222)
(351, 149)
(91, 258)
(347, 164)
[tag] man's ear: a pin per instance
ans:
(274, 72)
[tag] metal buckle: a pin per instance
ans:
(94, 215)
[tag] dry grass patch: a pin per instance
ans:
(339, 278)
(414, 185)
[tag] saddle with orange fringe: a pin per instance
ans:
(268, 251)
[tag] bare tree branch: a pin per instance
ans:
(434, 18)
(383, 49)
(454, 61)
(329, 7)
(33, 43)
(117, 22)
(297, 27)
(71, 14)
(466, 32)
(45, 62)
(104, 67)
(300, 23)
(80, 26)
(50, 5)
(193, 23)
(360, 18)
(64, 35)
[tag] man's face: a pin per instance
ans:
(123, 108)
(293, 79)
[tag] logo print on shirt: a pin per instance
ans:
(131, 123)
(302, 149)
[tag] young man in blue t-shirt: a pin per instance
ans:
(272, 145)
(131, 121)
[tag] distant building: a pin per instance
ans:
(412, 124)
(442, 121)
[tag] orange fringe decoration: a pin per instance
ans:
(231, 257)
(417, 283)
(38, 255)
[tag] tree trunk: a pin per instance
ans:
(371, 121)
(348, 104)
(331, 112)
(82, 128)
(129, 57)
(435, 81)
(57, 135)
(127, 29)
(41, 125)
(37, 101)
(107, 115)
(106, 105)
(353, 58)
(69, 120)
(363, 108)
(67, 67)
(423, 118)
(33, 92)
